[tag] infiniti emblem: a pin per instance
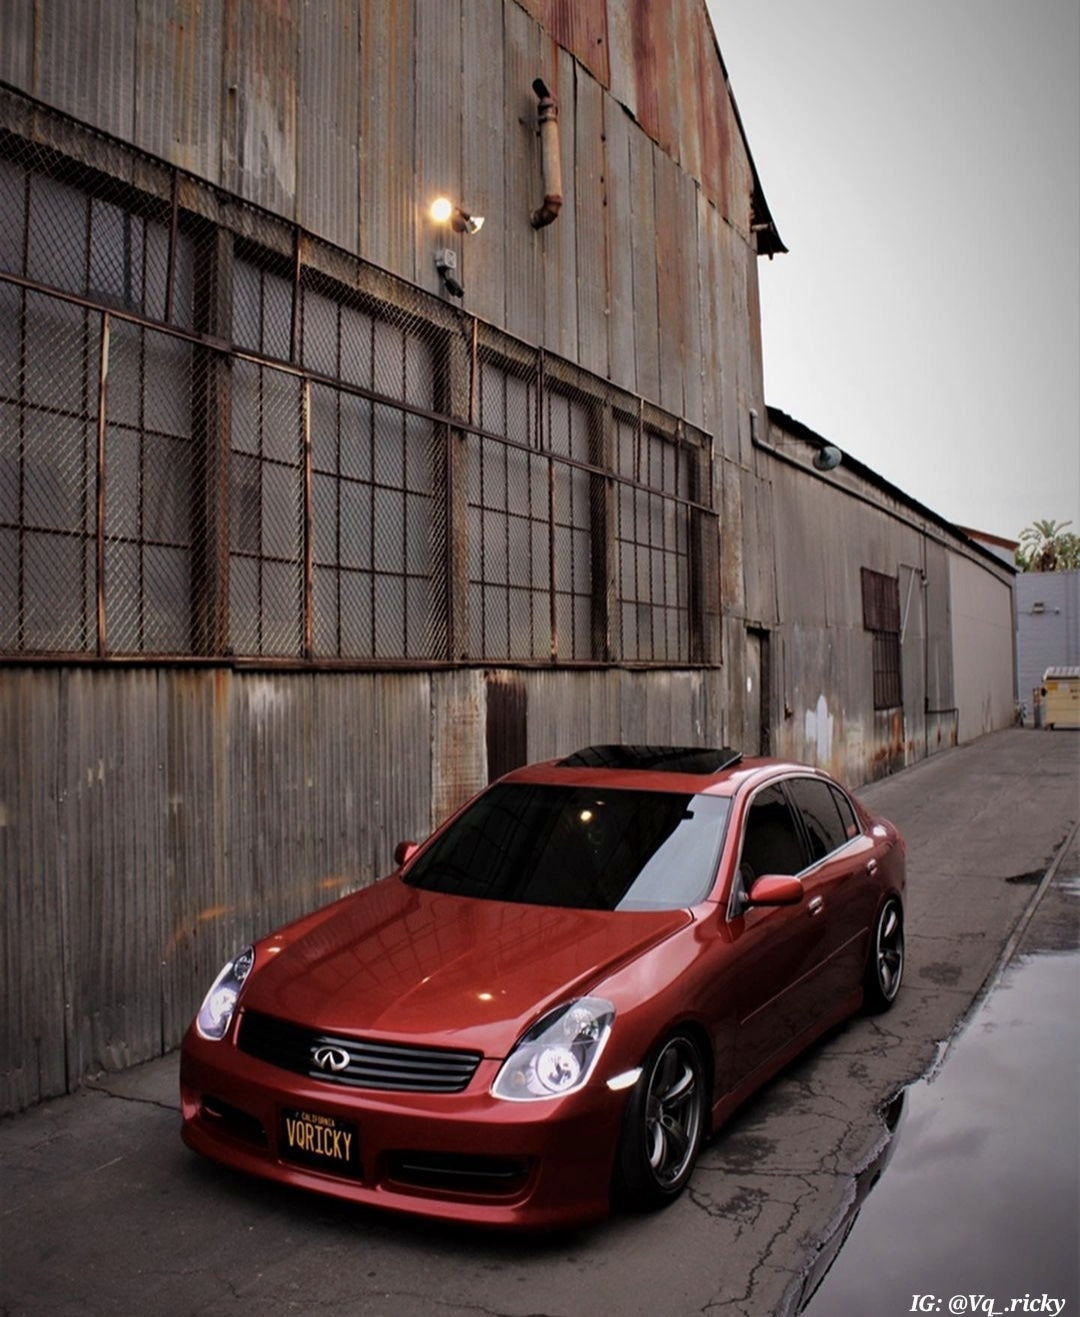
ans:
(334, 1059)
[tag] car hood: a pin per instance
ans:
(395, 961)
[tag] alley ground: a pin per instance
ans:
(104, 1211)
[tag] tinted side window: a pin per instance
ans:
(771, 842)
(847, 813)
(817, 805)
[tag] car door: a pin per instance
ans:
(836, 888)
(776, 946)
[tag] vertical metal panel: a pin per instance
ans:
(620, 36)
(17, 42)
(328, 124)
(643, 265)
(647, 61)
(87, 61)
(113, 824)
(671, 299)
(458, 748)
(687, 95)
(178, 83)
(388, 206)
(592, 253)
(437, 76)
(506, 722)
(709, 254)
(713, 104)
(579, 28)
(259, 125)
(690, 289)
(940, 694)
(558, 241)
(487, 134)
(523, 311)
(33, 982)
(622, 318)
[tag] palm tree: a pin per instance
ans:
(1046, 546)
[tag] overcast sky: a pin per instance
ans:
(922, 164)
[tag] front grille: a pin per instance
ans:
(394, 1067)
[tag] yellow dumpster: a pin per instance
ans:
(1061, 697)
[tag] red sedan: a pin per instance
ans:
(558, 996)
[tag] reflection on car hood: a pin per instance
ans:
(394, 961)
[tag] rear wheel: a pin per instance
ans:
(663, 1126)
(885, 966)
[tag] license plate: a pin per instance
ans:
(323, 1142)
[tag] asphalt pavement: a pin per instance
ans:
(104, 1211)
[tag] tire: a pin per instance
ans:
(663, 1126)
(885, 963)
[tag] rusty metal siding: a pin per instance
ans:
(620, 36)
(328, 121)
(558, 241)
(458, 744)
(259, 139)
(439, 115)
(592, 229)
(178, 87)
(671, 300)
(524, 248)
(33, 916)
(622, 319)
(486, 141)
(642, 184)
(387, 93)
(151, 821)
(86, 61)
(17, 42)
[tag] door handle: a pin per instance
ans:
(871, 867)
(816, 905)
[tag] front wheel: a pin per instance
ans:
(885, 965)
(663, 1126)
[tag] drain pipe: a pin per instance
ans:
(549, 155)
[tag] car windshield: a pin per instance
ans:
(581, 847)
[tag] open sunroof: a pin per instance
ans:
(654, 758)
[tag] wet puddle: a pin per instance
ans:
(976, 1197)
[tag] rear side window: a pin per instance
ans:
(771, 841)
(847, 813)
(817, 805)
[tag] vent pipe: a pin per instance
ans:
(549, 155)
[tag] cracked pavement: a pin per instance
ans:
(105, 1212)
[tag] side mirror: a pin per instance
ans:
(773, 889)
(404, 851)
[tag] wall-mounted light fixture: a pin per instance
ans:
(827, 458)
(443, 211)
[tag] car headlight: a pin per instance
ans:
(219, 1003)
(558, 1053)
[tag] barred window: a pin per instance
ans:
(55, 233)
(220, 447)
(653, 538)
(507, 520)
(881, 616)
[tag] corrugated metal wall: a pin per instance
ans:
(350, 119)
(153, 821)
(954, 610)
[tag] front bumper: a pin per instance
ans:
(464, 1157)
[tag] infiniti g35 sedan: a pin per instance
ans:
(554, 1000)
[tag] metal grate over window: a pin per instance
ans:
(881, 616)
(224, 438)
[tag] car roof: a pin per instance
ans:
(699, 770)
